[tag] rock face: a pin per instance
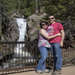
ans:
(10, 31)
(69, 34)
(33, 24)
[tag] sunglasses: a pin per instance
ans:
(51, 18)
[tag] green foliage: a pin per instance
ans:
(59, 8)
(25, 7)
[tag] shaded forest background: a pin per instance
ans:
(60, 8)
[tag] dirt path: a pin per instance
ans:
(65, 71)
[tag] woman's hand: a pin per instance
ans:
(58, 34)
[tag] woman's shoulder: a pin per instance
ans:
(42, 30)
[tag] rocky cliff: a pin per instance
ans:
(10, 30)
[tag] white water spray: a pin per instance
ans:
(22, 24)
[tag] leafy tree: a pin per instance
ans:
(60, 8)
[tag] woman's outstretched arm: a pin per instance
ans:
(44, 33)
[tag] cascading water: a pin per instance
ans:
(22, 28)
(22, 24)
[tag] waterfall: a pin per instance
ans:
(22, 28)
(22, 24)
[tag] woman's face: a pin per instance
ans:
(45, 26)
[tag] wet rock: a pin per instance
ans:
(33, 23)
(10, 31)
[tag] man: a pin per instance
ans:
(56, 43)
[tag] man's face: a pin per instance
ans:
(52, 19)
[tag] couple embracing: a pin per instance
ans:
(51, 37)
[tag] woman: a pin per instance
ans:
(43, 46)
